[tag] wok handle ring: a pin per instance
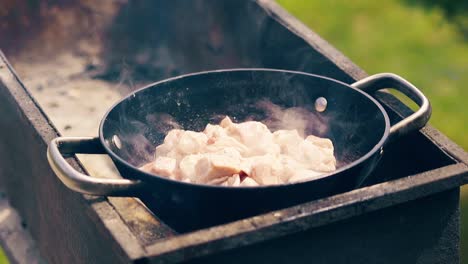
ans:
(415, 121)
(62, 147)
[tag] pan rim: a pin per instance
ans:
(350, 165)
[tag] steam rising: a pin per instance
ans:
(275, 118)
(289, 118)
(162, 122)
(139, 138)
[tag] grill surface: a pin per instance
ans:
(409, 213)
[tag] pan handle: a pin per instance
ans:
(415, 121)
(62, 147)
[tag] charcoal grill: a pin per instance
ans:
(407, 213)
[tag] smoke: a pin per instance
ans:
(275, 118)
(125, 77)
(272, 115)
(162, 122)
(297, 118)
(139, 138)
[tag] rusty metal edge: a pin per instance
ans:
(101, 208)
(306, 216)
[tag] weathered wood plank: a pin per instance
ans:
(68, 227)
(143, 224)
(306, 216)
(419, 231)
(14, 238)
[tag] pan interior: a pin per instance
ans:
(137, 124)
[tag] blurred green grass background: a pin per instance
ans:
(417, 39)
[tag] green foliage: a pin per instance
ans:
(390, 36)
(422, 40)
(455, 11)
(3, 258)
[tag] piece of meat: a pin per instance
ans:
(162, 166)
(165, 166)
(249, 182)
(179, 143)
(215, 131)
(234, 180)
(242, 175)
(242, 154)
(305, 175)
(212, 166)
(250, 133)
(191, 142)
(256, 136)
(230, 152)
(170, 142)
(321, 142)
(287, 139)
(266, 170)
(186, 180)
(147, 167)
(187, 167)
(313, 157)
(219, 181)
(226, 122)
(188, 143)
(290, 166)
(218, 144)
(219, 140)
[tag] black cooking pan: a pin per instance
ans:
(356, 123)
